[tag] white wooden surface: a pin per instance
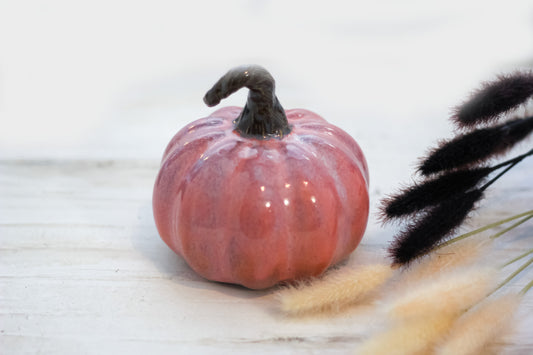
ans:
(91, 93)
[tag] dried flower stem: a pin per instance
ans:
(512, 160)
(511, 163)
(500, 233)
(521, 256)
(512, 276)
(526, 288)
(484, 228)
(433, 191)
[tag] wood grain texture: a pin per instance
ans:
(83, 270)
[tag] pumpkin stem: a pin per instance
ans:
(262, 117)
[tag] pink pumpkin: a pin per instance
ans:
(260, 195)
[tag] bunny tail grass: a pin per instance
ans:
(432, 192)
(476, 146)
(494, 98)
(451, 293)
(463, 253)
(334, 290)
(417, 336)
(421, 236)
(478, 328)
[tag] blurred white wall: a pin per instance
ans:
(118, 78)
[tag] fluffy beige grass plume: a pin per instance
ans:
(451, 293)
(414, 337)
(458, 254)
(335, 290)
(480, 327)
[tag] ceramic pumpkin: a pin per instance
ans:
(258, 195)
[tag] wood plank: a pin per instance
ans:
(83, 270)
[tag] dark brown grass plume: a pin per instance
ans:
(476, 146)
(454, 170)
(432, 192)
(421, 236)
(495, 98)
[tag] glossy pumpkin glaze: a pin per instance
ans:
(256, 212)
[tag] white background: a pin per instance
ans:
(72, 71)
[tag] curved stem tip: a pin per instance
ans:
(262, 117)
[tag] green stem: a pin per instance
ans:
(500, 233)
(484, 228)
(526, 288)
(513, 275)
(521, 256)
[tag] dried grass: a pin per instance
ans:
(336, 290)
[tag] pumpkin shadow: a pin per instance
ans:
(145, 239)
